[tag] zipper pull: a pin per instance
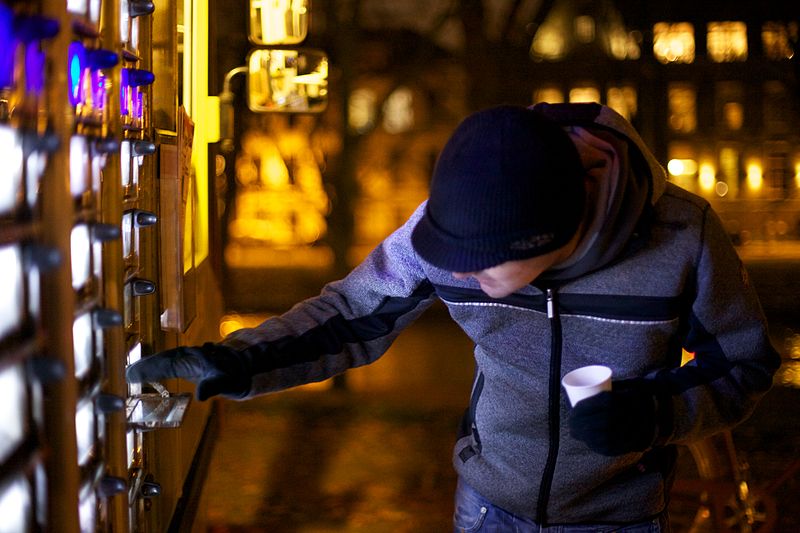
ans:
(550, 305)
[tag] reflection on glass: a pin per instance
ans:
(10, 169)
(80, 249)
(35, 165)
(12, 410)
(82, 343)
(135, 389)
(12, 294)
(97, 251)
(125, 162)
(87, 511)
(78, 165)
(15, 506)
(124, 21)
(278, 21)
(287, 81)
(127, 233)
(84, 430)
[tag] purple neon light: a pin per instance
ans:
(34, 68)
(7, 47)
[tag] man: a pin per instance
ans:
(555, 241)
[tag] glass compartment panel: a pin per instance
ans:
(12, 410)
(82, 342)
(78, 165)
(15, 506)
(84, 430)
(81, 255)
(11, 301)
(11, 168)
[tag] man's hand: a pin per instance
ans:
(619, 421)
(216, 369)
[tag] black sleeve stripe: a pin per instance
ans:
(331, 336)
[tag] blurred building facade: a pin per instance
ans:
(714, 91)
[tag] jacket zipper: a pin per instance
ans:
(554, 407)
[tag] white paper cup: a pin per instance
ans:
(586, 381)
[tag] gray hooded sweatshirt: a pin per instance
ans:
(655, 275)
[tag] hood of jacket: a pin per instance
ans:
(623, 177)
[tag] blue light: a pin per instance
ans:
(75, 56)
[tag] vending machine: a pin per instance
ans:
(104, 245)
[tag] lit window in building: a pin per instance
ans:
(776, 39)
(551, 95)
(549, 43)
(673, 43)
(584, 29)
(729, 98)
(623, 45)
(623, 100)
(682, 107)
(729, 169)
(776, 101)
(755, 176)
(733, 115)
(361, 110)
(777, 173)
(584, 94)
(727, 41)
(398, 111)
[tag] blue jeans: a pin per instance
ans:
(475, 514)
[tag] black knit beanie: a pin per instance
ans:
(508, 185)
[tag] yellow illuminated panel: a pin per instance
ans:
(673, 43)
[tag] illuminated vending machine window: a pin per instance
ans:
(10, 170)
(132, 221)
(133, 98)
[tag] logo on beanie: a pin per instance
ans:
(534, 241)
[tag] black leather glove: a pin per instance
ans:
(626, 419)
(216, 369)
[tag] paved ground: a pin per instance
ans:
(375, 457)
